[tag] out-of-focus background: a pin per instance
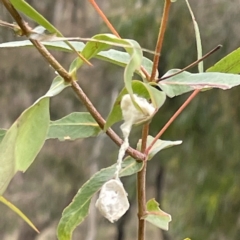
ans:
(198, 182)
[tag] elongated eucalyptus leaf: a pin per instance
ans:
(76, 212)
(198, 38)
(59, 46)
(141, 89)
(186, 82)
(156, 216)
(73, 126)
(228, 64)
(158, 146)
(23, 141)
(132, 66)
(113, 56)
(2, 134)
(18, 212)
(32, 127)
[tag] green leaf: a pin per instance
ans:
(73, 126)
(57, 86)
(158, 146)
(60, 46)
(186, 82)
(134, 63)
(29, 11)
(134, 50)
(90, 50)
(23, 141)
(2, 134)
(156, 216)
(141, 89)
(157, 97)
(113, 56)
(76, 212)
(18, 212)
(122, 59)
(93, 48)
(20, 144)
(198, 38)
(228, 64)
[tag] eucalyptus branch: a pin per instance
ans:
(160, 38)
(141, 187)
(102, 15)
(26, 30)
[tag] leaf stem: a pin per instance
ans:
(175, 115)
(18, 212)
(102, 15)
(141, 187)
(113, 30)
(68, 78)
(9, 25)
(161, 34)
